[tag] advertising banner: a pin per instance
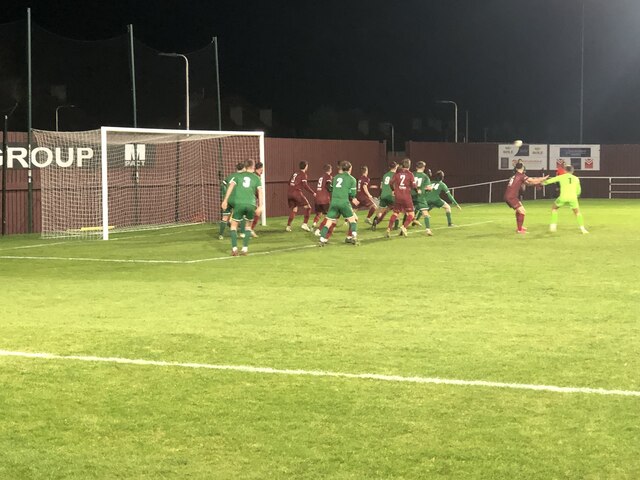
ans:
(581, 157)
(534, 157)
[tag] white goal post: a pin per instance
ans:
(121, 179)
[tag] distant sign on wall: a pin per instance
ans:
(534, 157)
(581, 157)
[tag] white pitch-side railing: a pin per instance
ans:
(453, 189)
(629, 182)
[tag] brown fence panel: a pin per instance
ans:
(463, 164)
(470, 163)
(284, 154)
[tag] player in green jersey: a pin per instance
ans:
(343, 193)
(433, 196)
(226, 212)
(247, 188)
(570, 190)
(423, 185)
(386, 194)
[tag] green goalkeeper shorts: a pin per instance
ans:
(573, 203)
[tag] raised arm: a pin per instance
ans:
(535, 180)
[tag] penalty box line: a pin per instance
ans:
(191, 262)
(321, 373)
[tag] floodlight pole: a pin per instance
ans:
(186, 80)
(466, 134)
(215, 46)
(57, 114)
(455, 115)
(582, 74)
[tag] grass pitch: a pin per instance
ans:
(476, 302)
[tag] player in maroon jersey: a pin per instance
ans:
(323, 196)
(296, 198)
(364, 197)
(512, 194)
(256, 218)
(402, 183)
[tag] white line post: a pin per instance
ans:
(263, 179)
(105, 184)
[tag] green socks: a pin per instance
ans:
(353, 226)
(222, 225)
(449, 218)
(234, 238)
(247, 237)
(427, 222)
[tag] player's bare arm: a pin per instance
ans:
(536, 181)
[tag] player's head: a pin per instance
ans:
(364, 170)
(249, 164)
(259, 167)
(327, 168)
(420, 166)
(303, 165)
(439, 176)
(393, 165)
(519, 167)
(568, 168)
(345, 166)
(239, 166)
(406, 163)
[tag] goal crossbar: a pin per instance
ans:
(99, 182)
(104, 131)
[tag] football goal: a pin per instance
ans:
(121, 179)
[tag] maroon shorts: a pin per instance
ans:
(402, 205)
(322, 208)
(297, 199)
(513, 202)
(365, 203)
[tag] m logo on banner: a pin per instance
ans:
(134, 155)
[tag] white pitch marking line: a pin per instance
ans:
(320, 373)
(33, 246)
(178, 262)
(200, 260)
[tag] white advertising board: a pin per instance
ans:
(581, 157)
(534, 157)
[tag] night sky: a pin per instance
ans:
(514, 64)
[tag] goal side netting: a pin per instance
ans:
(99, 182)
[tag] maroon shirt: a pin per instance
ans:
(297, 182)
(402, 183)
(361, 195)
(323, 197)
(514, 185)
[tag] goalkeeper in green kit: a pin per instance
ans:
(569, 192)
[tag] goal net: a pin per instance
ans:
(99, 182)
